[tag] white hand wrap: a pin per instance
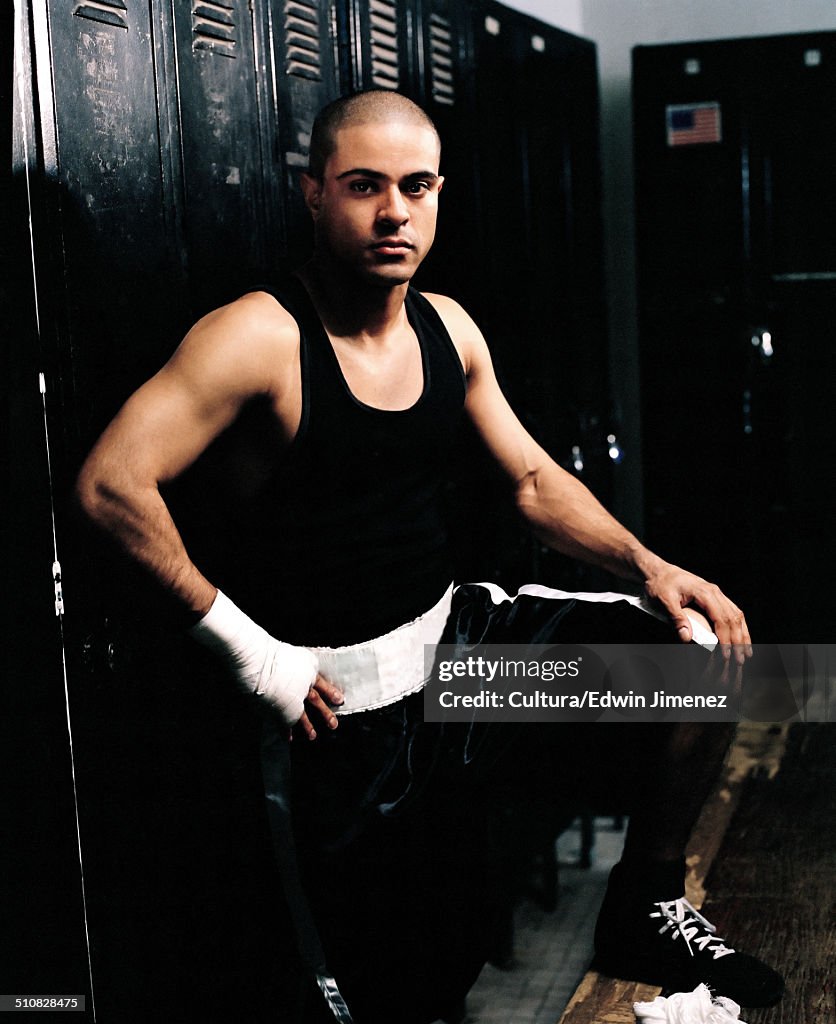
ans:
(282, 674)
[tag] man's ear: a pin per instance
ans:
(440, 182)
(312, 191)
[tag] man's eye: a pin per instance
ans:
(416, 187)
(361, 186)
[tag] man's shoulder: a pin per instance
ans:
(255, 322)
(444, 304)
(262, 310)
(246, 346)
(460, 326)
(451, 312)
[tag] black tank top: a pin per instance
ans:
(349, 534)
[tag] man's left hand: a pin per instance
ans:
(674, 588)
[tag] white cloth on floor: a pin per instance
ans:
(697, 1007)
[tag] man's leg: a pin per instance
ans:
(646, 929)
(389, 863)
(681, 763)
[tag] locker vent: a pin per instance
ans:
(383, 17)
(108, 12)
(441, 60)
(213, 27)
(302, 39)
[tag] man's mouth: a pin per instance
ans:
(392, 246)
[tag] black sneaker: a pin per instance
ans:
(670, 944)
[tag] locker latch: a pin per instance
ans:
(762, 339)
(59, 593)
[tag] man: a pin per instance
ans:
(360, 382)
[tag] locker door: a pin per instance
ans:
(489, 236)
(108, 305)
(539, 237)
(153, 137)
(736, 218)
(306, 73)
(565, 248)
(231, 206)
(101, 145)
(376, 45)
(43, 913)
(536, 95)
(503, 222)
(796, 367)
(443, 86)
(694, 207)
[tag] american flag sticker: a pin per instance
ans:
(692, 123)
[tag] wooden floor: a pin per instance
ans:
(775, 877)
(762, 863)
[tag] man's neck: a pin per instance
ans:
(350, 308)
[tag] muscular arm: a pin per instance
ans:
(237, 353)
(563, 513)
(226, 359)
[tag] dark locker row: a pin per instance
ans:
(736, 215)
(163, 143)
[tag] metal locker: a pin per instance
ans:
(536, 94)
(106, 247)
(498, 233)
(103, 181)
(736, 210)
(153, 129)
(441, 57)
(443, 86)
(794, 364)
(306, 74)
(375, 44)
(564, 236)
(231, 205)
(40, 853)
(103, 245)
(539, 242)
(692, 301)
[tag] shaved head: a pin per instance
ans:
(371, 107)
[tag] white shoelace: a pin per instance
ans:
(680, 918)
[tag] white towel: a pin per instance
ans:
(697, 1007)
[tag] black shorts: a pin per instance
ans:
(400, 824)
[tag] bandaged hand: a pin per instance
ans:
(281, 674)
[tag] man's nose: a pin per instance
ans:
(393, 207)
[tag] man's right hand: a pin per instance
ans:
(283, 675)
(321, 696)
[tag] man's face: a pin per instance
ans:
(376, 206)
